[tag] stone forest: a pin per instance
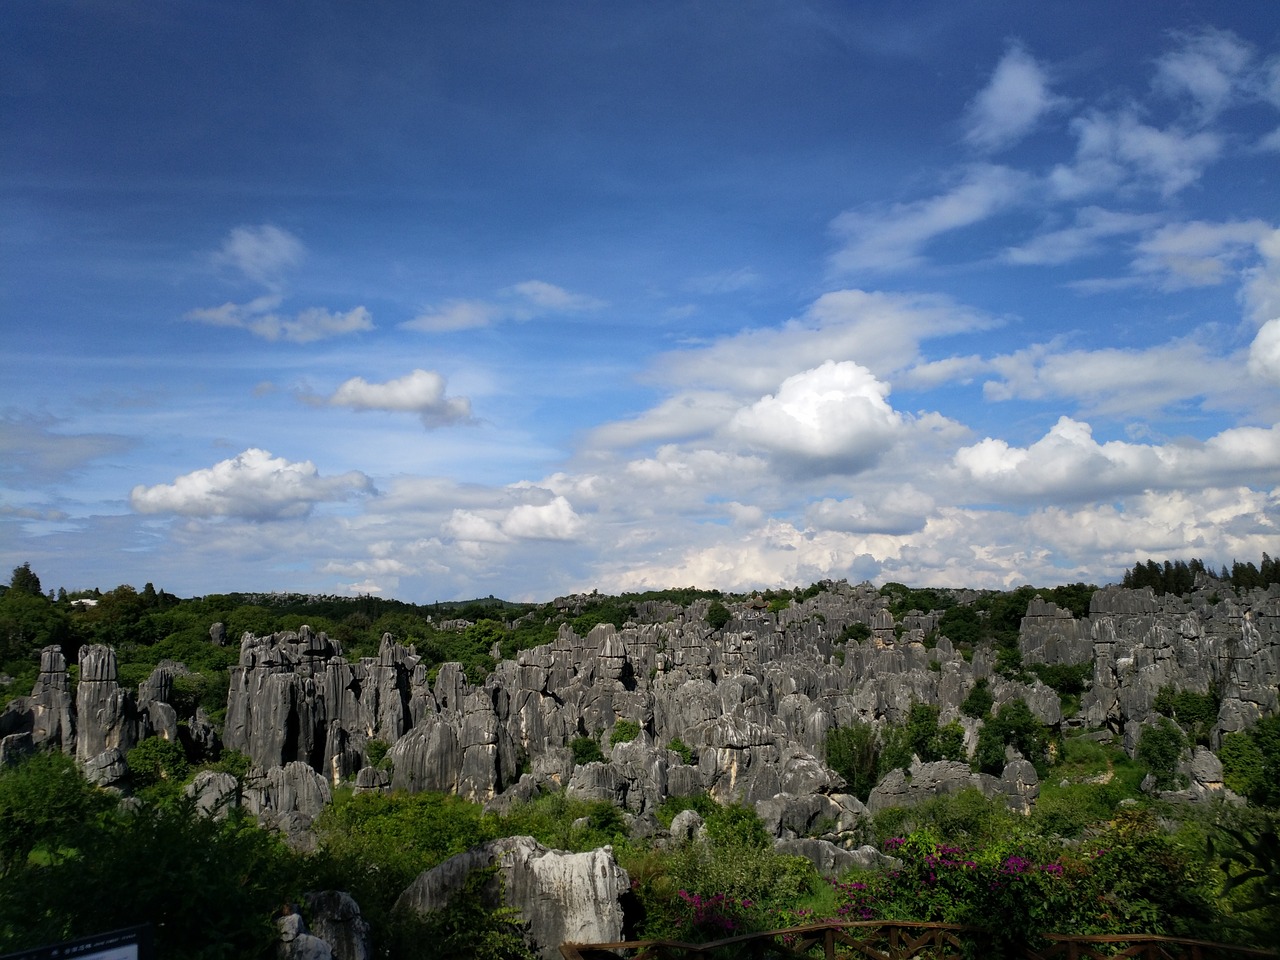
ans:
(298, 776)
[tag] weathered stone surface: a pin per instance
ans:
(214, 792)
(297, 943)
(829, 859)
(336, 919)
(106, 718)
(560, 897)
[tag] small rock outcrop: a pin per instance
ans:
(560, 897)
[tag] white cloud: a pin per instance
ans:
(1009, 107)
(1068, 464)
(306, 326)
(34, 450)
(831, 419)
(1116, 150)
(880, 331)
(524, 301)
(253, 485)
(894, 239)
(1119, 382)
(1093, 224)
(725, 281)
(553, 520)
(1261, 292)
(1208, 67)
(550, 297)
(1198, 254)
(685, 415)
(421, 392)
(261, 253)
(1264, 353)
(898, 510)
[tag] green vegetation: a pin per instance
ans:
(1159, 748)
(624, 731)
(718, 615)
(1195, 713)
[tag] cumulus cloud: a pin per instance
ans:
(1009, 107)
(524, 301)
(265, 254)
(253, 485)
(553, 520)
(1068, 464)
(894, 238)
(261, 253)
(898, 510)
(832, 419)
(1261, 291)
(421, 392)
(307, 326)
(1264, 353)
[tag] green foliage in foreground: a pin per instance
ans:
(80, 864)
(209, 888)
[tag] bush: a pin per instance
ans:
(586, 750)
(854, 753)
(624, 731)
(718, 615)
(44, 803)
(209, 888)
(155, 761)
(1159, 748)
(979, 701)
(1014, 725)
(683, 749)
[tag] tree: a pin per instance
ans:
(854, 753)
(717, 615)
(44, 803)
(25, 581)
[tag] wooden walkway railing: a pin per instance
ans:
(904, 940)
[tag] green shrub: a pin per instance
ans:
(624, 731)
(586, 750)
(738, 826)
(702, 804)
(156, 760)
(979, 701)
(854, 753)
(683, 749)
(1159, 748)
(856, 631)
(1013, 725)
(1195, 713)
(718, 615)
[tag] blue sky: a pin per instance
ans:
(447, 300)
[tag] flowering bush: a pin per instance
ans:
(1131, 879)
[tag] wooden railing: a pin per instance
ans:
(905, 940)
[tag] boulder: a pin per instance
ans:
(560, 897)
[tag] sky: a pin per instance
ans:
(438, 301)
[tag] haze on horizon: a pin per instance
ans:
(438, 301)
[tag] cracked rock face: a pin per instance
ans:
(560, 897)
(749, 706)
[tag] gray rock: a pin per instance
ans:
(296, 943)
(560, 897)
(336, 919)
(214, 792)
